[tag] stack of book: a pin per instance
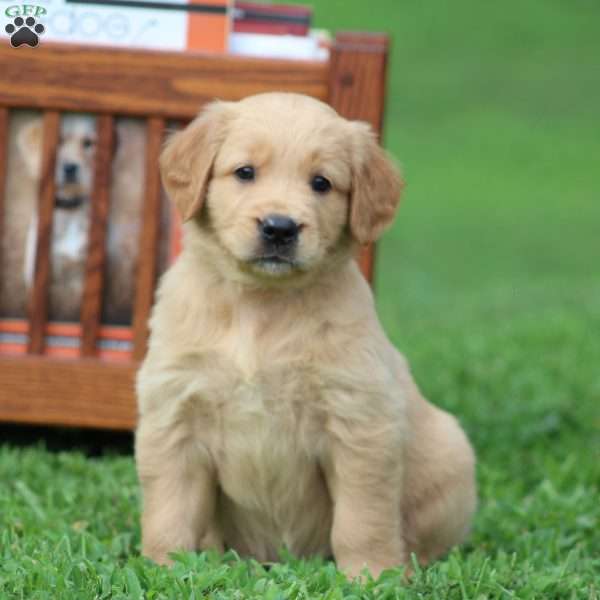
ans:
(276, 30)
(246, 28)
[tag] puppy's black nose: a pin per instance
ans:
(278, 230)
(70, 171)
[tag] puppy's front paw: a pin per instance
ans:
(159, 555)
(359, 569)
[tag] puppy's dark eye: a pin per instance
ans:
(87, 142)
(320, 184)
(245, 173)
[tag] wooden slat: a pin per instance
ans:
(366, 261)
(172, 85)
(357, 91)
(357, 76)
(148, 248)
(91, 307)
(3, 162)
(38, 300)
(82, 392)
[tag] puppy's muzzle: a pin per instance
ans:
(71, 172)
(69, 191)
(278, 232)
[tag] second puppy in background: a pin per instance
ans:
(71, 219)
(74, 173)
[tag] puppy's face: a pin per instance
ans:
(74, 168)
(74, 157)
(280, 183)
(277, 199)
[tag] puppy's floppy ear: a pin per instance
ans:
(376, 186)
(187, 159)
(29, 143)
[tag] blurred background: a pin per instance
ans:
(489, 281)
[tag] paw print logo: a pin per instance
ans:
(24, 31)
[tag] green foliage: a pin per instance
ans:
(489, 284)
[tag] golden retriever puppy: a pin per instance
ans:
(73, 176)
(273, 410)
(74, 173)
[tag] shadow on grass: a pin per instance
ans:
(91, 442)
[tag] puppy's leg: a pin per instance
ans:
(440, 493)
(179, 493)
(364, 477)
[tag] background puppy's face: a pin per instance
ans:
(285, 181)
(74, 169)
(74, 157)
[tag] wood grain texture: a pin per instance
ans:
(357, 78)
(171, 85)
(88, 392)
(82, 392)
(148, 250)
(91, 306)
(3, 162)
(38, 300)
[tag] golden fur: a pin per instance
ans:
(272, 408)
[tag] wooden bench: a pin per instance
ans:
(155, 86)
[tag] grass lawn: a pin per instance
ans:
(489, 283)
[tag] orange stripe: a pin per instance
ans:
(208, 32)
(14, 325)
(116, 333)
(61, 352)
(64, 329)
(13, 349)
(114, 355)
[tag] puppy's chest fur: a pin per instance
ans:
(267, 451)
(69, 243)
(262, 418)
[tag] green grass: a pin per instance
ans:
(489, 283)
